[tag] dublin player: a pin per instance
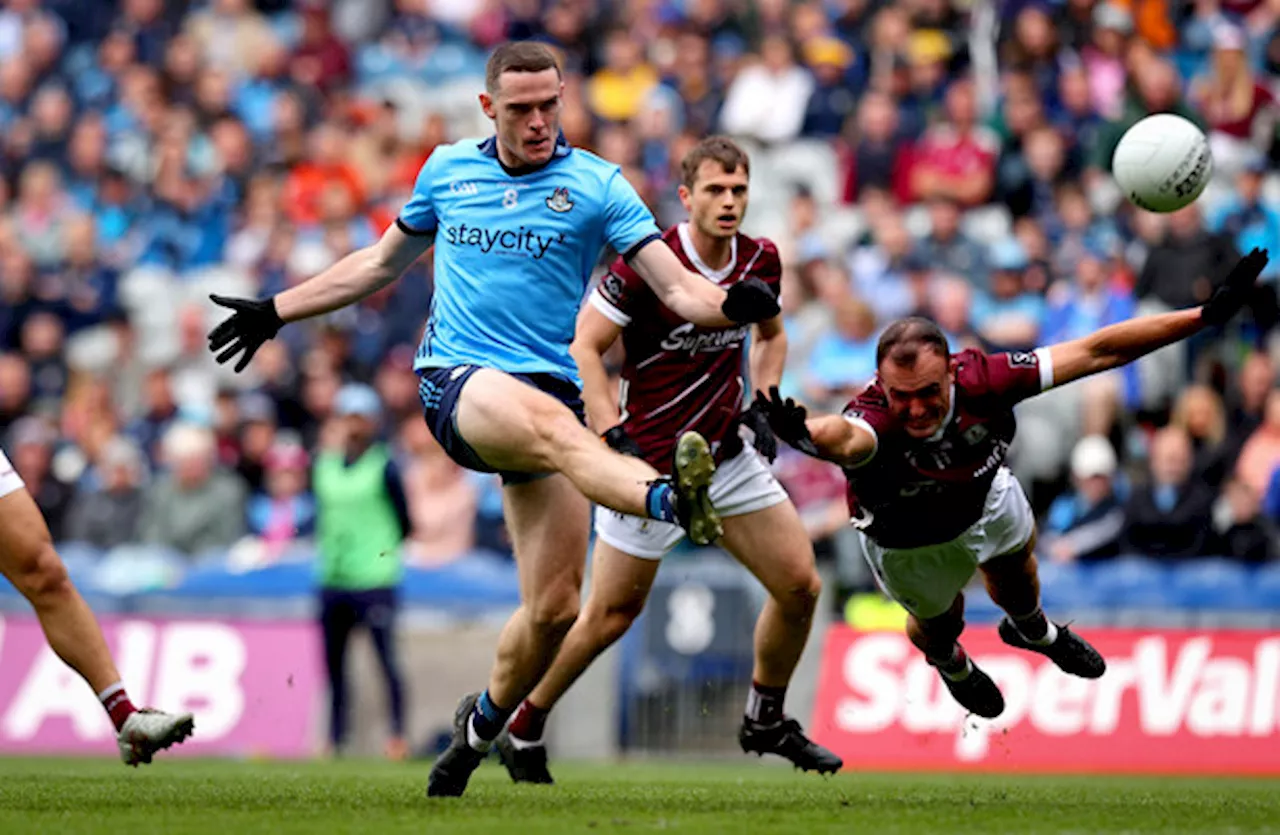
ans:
(28, 560)
(923, 448)
(680, 377)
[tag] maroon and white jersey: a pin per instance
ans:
(679, 376)
(915, 492)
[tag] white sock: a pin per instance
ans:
(111, 691)
(474, 739)
(521, 744)
(1050, 635)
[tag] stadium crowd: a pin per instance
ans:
(921, 156)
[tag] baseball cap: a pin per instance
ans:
(358, 399)
(1112, 16)
(1093, 456)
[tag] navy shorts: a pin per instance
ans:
(440, 388)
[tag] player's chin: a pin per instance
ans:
(538, 150)
(920, 431)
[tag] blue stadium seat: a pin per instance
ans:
(1265, 587)
(1065, 585)
(1212, 583)
(1130, 581)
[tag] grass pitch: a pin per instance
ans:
(200, 797)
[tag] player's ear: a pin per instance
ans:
(486, 104)
(685, 197)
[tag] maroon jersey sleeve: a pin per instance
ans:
(619, 292)
(767, 266)
(870, 411)
(1008, 377)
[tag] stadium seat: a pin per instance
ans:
(1265, 587)
(1130, 581)
(1212, 584)
(1065, 585)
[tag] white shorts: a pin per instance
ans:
(741, 485)
(10, 481)
(926, 580)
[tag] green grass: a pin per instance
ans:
(227, 798)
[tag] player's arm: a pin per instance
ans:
(841, 439)
(1124, 342)
(768, 353)
(695, 298)
(595, 336)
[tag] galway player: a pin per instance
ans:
(923, 448)
(29, 562)
(677, 377)
(518, 222)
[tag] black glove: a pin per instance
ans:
(750, 301)
(756, 418)
(253, 323)
(618, 439)
(787, 419)
(1235, 290)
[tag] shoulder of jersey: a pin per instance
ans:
(463, 149)
(587, 161)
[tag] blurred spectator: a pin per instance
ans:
(1248, 401)
(1183, 268)
(30, 443)
(1170, 515)
(1103, 58)
(441, 499)
(877, 156)
(159, 411)
(956, 158)
(1243, 532)
(284, 510)
(832, 99)
(948, 248)
(1261, 453)
(320, 60)
(257, 430)
(844, 361)
(361, 523)
(41, 213)
(1085, 524)
(767, 99)
(1009, 315)
(230, 34)
(1236, 104)
(1155, 88)
(109, 515)
(42, 342)
(15, 389)
(879, 266)
(193, 506)
(1245, 216)
(618, 89)
(1199, 412)
(951, 306)
(328, 164)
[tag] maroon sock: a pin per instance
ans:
(529, 722)
(764, 704)
(116, 702)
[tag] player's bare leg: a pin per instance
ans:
(938, 638)
(773, 545)
(513, 426)
(550, 527)
(1013, 582)
(29, 561)
(620, 585)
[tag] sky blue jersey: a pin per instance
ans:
(514, 253)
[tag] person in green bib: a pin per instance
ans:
(361, 520)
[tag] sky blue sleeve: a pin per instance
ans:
(419, 215)
(627, 220)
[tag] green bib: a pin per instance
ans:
(357, 529)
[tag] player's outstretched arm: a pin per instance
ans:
(833, 438)
(700, 301)
(357, 275)
(1124, 342)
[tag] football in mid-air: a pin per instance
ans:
(1162, 163)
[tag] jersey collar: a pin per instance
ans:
(489, 148)
(717, 276)
(951, 413)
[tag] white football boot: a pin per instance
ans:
(148, 730)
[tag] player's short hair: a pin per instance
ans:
(719, 149)
(518, 56)
(904, 340)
